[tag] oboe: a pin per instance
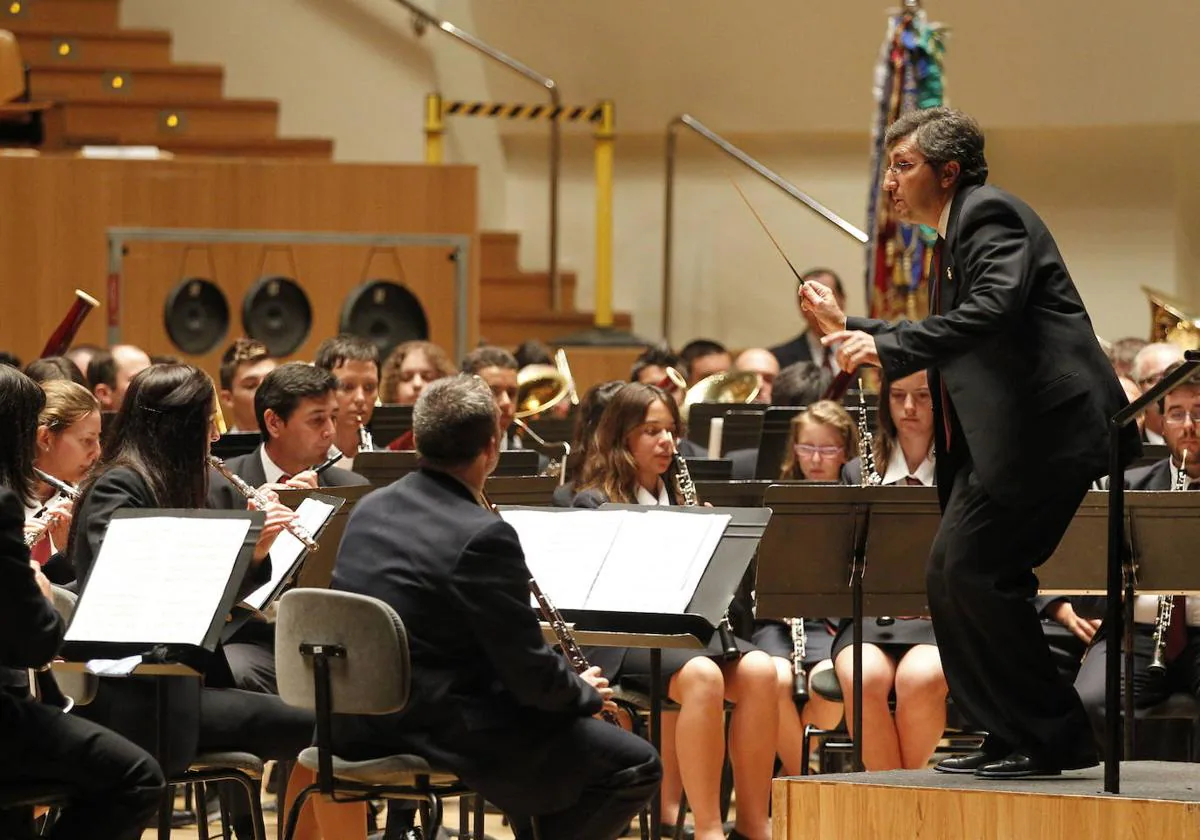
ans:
(1166, 603)
(366, 443)
(686, 488)
(799, 650)
(566, 639)
(260, 501)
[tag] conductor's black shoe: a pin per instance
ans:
(1019, 765)
(968, 763)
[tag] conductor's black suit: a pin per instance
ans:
(490, 700)
(1024, 390)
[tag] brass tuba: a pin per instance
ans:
(1170, 323)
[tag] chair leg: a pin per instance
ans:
(165, 806)
(226, 814)
(680, 817)
(199, 797)
(464, 827)
(293, 816)
(253, 790)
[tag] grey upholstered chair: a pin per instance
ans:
(337, 652)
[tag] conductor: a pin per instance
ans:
(1022, 395)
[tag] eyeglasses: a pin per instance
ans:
(1179, 416)
(902, 167)
(807, 450)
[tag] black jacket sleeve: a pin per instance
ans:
(30, 628)
(492, 582)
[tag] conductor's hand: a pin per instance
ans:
(818, 299)
(855, 349)
(593, 678)
(1084, 628)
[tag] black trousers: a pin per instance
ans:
(980, 580)
(117, 784)
(1182, 676)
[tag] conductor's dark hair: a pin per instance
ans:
(454, 420)
(283, 388)
(943, 135)
(21, 401)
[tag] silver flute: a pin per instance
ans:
(261, 501)
(44, 524)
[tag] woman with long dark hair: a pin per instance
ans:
(159, 443)
(632, 455)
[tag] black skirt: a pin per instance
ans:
(896, 639)
(775, 638)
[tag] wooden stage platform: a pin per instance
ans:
(1158, 800)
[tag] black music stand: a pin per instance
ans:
(389, 421)
(521, 490)
(554, 429)
(169, 655)
(695, 626)
(777, 423)
(709, 469)
(317, 569)
(383, 467)
(742, 428)
(699, 418)
(733, 493)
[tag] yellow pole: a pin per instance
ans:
(435, 128)
(605, 134)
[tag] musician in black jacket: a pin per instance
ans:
(1023, 394)
(490, 700)
(1181, 647)
(115, 785)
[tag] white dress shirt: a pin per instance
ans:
(645, 498)
(897, 469)
(271, 470)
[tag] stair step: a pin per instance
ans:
(179, 82)
(67, 15)
(509, 330)
(524, 292)
(499, 253)
(119, 48)
(307, 148)
(121, 120)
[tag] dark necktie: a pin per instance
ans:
(912, 481)
(935, 308)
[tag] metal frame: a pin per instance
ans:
(459, 243)
(426, 18)
(688, 121)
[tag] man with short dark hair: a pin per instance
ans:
(1022, 397)
(354, 362)
(109, 372)
(490, 700)
(498, 368)
(807, 347)
(704, 357)
(243, 366)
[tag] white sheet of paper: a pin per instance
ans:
(158, 579)
(312, 514)
(656, 562)
(565, 550)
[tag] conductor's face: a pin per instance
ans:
(918, 188)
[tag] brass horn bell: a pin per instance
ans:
(1169, 322)
(539, 389)
(733, 386)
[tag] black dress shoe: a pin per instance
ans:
(1019, 765)
(965, 763)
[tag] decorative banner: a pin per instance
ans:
(908, 77)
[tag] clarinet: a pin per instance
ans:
(566, 639)
(686, 488)
(799, 649)
(261, 501)
(1166, 603)
(366, 443)
(869, 476)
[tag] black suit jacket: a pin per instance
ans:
(796, 350)
(1030, 389)
(456, 575)
(224, 496)
(30, 628)
(1156, 476)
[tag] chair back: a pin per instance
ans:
(80, 686)
(12, 69)
(373, 676)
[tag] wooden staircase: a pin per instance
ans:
(517, 305)
(119, 87)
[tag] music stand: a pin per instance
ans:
(733, 493)
(710, 469)
(389, 421)
(777, 424)
(742, 428)
(236, 443)
(521, 490)
(317, 570)
(554, 429)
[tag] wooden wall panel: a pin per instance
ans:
(54, 212)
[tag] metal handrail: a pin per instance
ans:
(545, 82)
(688, 121)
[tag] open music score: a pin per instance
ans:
(288, 552)
(621, 560)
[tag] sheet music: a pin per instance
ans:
(158, 580)
(656, 562)
(619, 560)
(287, 550)
(565, 551)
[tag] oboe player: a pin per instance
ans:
(490, 699)
(1022, 396)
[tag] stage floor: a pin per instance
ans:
(1157, 799)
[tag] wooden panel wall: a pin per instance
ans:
(54, 212)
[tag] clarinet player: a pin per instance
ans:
(1022, 396)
